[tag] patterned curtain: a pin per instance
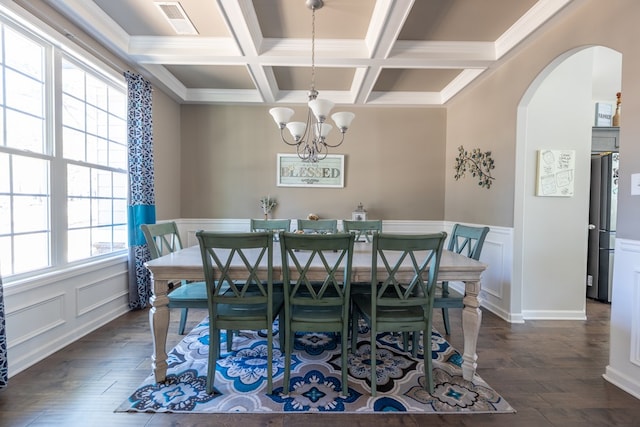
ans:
(142, 209)
(4, 365)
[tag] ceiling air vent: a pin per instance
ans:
(174, 14)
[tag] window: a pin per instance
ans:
(63, 171)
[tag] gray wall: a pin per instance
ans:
(167, 152)
(394, 162)
(488, 111)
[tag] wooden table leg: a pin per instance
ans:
(471, 319)
(159, 321)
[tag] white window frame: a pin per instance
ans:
(57, 48)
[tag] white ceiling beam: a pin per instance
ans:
(94, 21)
(385, 26)
(542, 11)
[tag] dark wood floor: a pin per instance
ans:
(549, 371)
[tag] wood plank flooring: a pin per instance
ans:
(549, 371)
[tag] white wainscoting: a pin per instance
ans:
(624, 357)
(46, 313)
(497, 254)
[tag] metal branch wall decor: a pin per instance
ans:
(476, 162)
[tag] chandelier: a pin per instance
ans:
(310, 138)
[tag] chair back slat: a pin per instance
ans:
(304, 284)
(397, 286)
(162, 238)
(321, 226)
(468, 240)
(232, 263)
(363, 229)
(274, 225)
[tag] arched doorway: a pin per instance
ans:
(550, 233)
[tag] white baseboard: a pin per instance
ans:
(620, 380)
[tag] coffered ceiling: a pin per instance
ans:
(368, 52)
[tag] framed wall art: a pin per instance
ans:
(293, 172)
(556, 169)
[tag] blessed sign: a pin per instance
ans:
(293, 172)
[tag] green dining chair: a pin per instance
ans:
(363, 229)
(238, 271)
(321, 226)
(401, 301)
(465, 240)
(316, 301)
(162, 239)
(273, 225)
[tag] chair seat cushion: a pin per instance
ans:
(316, 313)
(188, 295)
(248, 311)
(453, 300)
(390, 314)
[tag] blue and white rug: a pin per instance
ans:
(241, 380)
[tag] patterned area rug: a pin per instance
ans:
(240, 382)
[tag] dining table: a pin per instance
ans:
(186, 264)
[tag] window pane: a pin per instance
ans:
(118, 156)
(120, 185)
(79, 244)
(117, 103)
(120, 237)
(117, 130)
(5, 215)
(73, 144)
(2, 140)
(73, 114)
(119, 211)
(102, 213)
(78, 181)
(30, 175)
(96, 121)
(72, 80)
(102, 240)
(24, 94)
(31, 214)
(97, 150)
(6, 257)
(23, 54)
(25, 132)
(101, 186)
(31, 252)
(79, 212)
(4, 173)
(96, 92)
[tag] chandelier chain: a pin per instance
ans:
(313, 49)
(310, 138)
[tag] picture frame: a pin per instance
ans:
(292, 171)
(604, 114)
(555, 174)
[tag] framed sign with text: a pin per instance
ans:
(293, 172)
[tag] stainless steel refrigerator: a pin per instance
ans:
(602, 225)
